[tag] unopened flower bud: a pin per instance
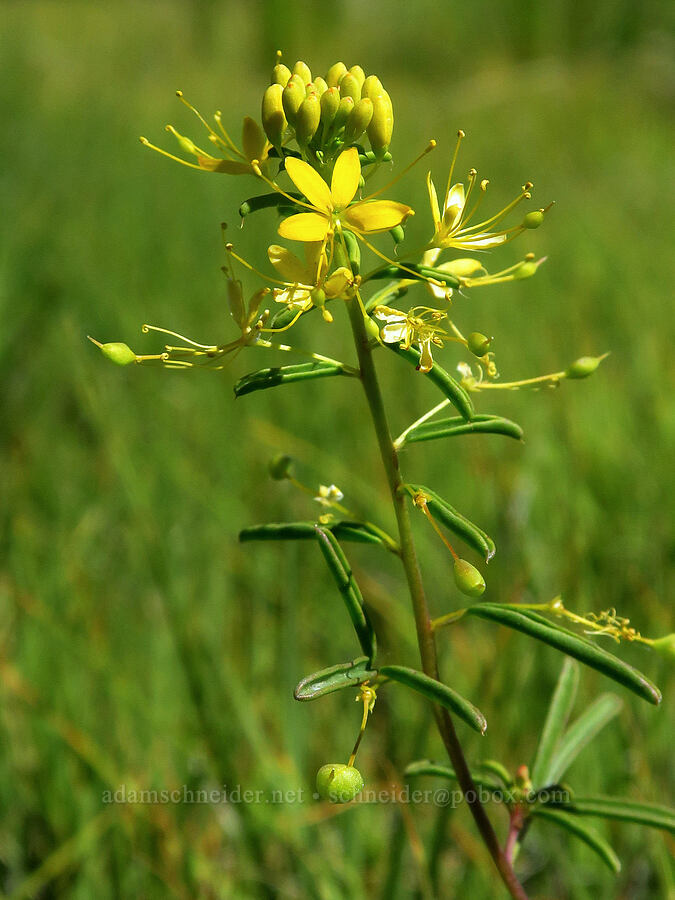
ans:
(280, 74)
(120, 354)
(350, 87)
(381, 125)
(665, 646)
(345, 106)
(279, 467)
(320, 86)
(372, 87)
(533, 219)
(335, 73)
(338, 783)
(358, 120)
(318, 297)
(330, 100)
(303, 70)
(468, 579)
(478, 343)
(582, 367)
(293, 95)
(307, 119)
(358, 73)
(273, 116)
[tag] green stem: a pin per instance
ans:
(425, 633)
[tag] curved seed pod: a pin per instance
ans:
(293, 95)
(302, 69)
(358, 120)
(350, 87)
(461, 526)
(273, 116)
(468, 579)
(267, 378)
(307, 119)
(455, 426)
(335, 73)
(280, 74)
(381, 127)
(371, 87)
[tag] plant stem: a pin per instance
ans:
(425, 634)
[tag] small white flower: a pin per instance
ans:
(329, 494)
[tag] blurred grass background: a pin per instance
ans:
(140, 644)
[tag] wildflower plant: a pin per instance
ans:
(322, 142)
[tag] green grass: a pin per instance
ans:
(140, 644)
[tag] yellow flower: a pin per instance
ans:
(331, 205)
(418, 326)
(308, 284)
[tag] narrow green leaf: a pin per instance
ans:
(461, 526)
(620, 810)
(442, 379)
(559, 711)
(409, 271)
(357, 532)
(334, 678)
(582, 732)
(589, 836)
(342, 573)
(456, 425)
(265, 201)
(439, 693)
(267, 378)
(426, 767)
(580, 648)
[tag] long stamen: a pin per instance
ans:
(206, 125)
(285, 327)
(525, 195)
(230, 143)
(430, 146)
(247, 265)
(483, 190)
(146, 328)
(183, 162)
(460, 135)
(255, 165)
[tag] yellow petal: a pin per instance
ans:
(287, 265)
(253, 140)
(462, 268)
(315, 254)
(308, 181)
(433, 200)
(304, 227)
(228, 166)
(376, 215)
(426, 360)
(346, 175)
(337, 283)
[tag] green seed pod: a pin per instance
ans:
(397, 234)
(303, 70)
(120, 354)
(358, 120)
(381, 125)
(273, 116)
(280, 74)
(293, 95)
(526, 270)
(307, 119)
(338, 783)
(665, 646)
(533, 219)
(468, 579)
(320, 86)
(353, 251)
(478, 343)
(279, 467)
(318, 297)
(358, 73)
(372, 329)
(330, 100)
(583, 367)
(372, 87)
(350, 87)
(335, 73)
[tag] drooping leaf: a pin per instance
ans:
(439, 693)
(589, 836)
(456, 426)
(357, 532)
(566, 641)
(559, 712)
(619, 809)
(451, 388)
(334, 678)
(461, 526)
(271, 377)
(342, 573)
(426, 767)
(582, 732)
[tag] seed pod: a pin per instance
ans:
(320, 86)
(468, 579)
(526, 269)
(307, 119)
(303, 70)
(273, 116)
(372, 87)
(478, 343)
(582, 367)
(353, 251)
(350, 87)
(293, 95)
(338, 783)
(279, 467)
(533, 219)
(335, 73)
(358, 120)
(330, 100)
(280, 74)
(381, 125)
(120, 354)
(358, 73)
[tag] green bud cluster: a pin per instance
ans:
(327, 114)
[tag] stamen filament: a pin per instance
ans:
(177, 159)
